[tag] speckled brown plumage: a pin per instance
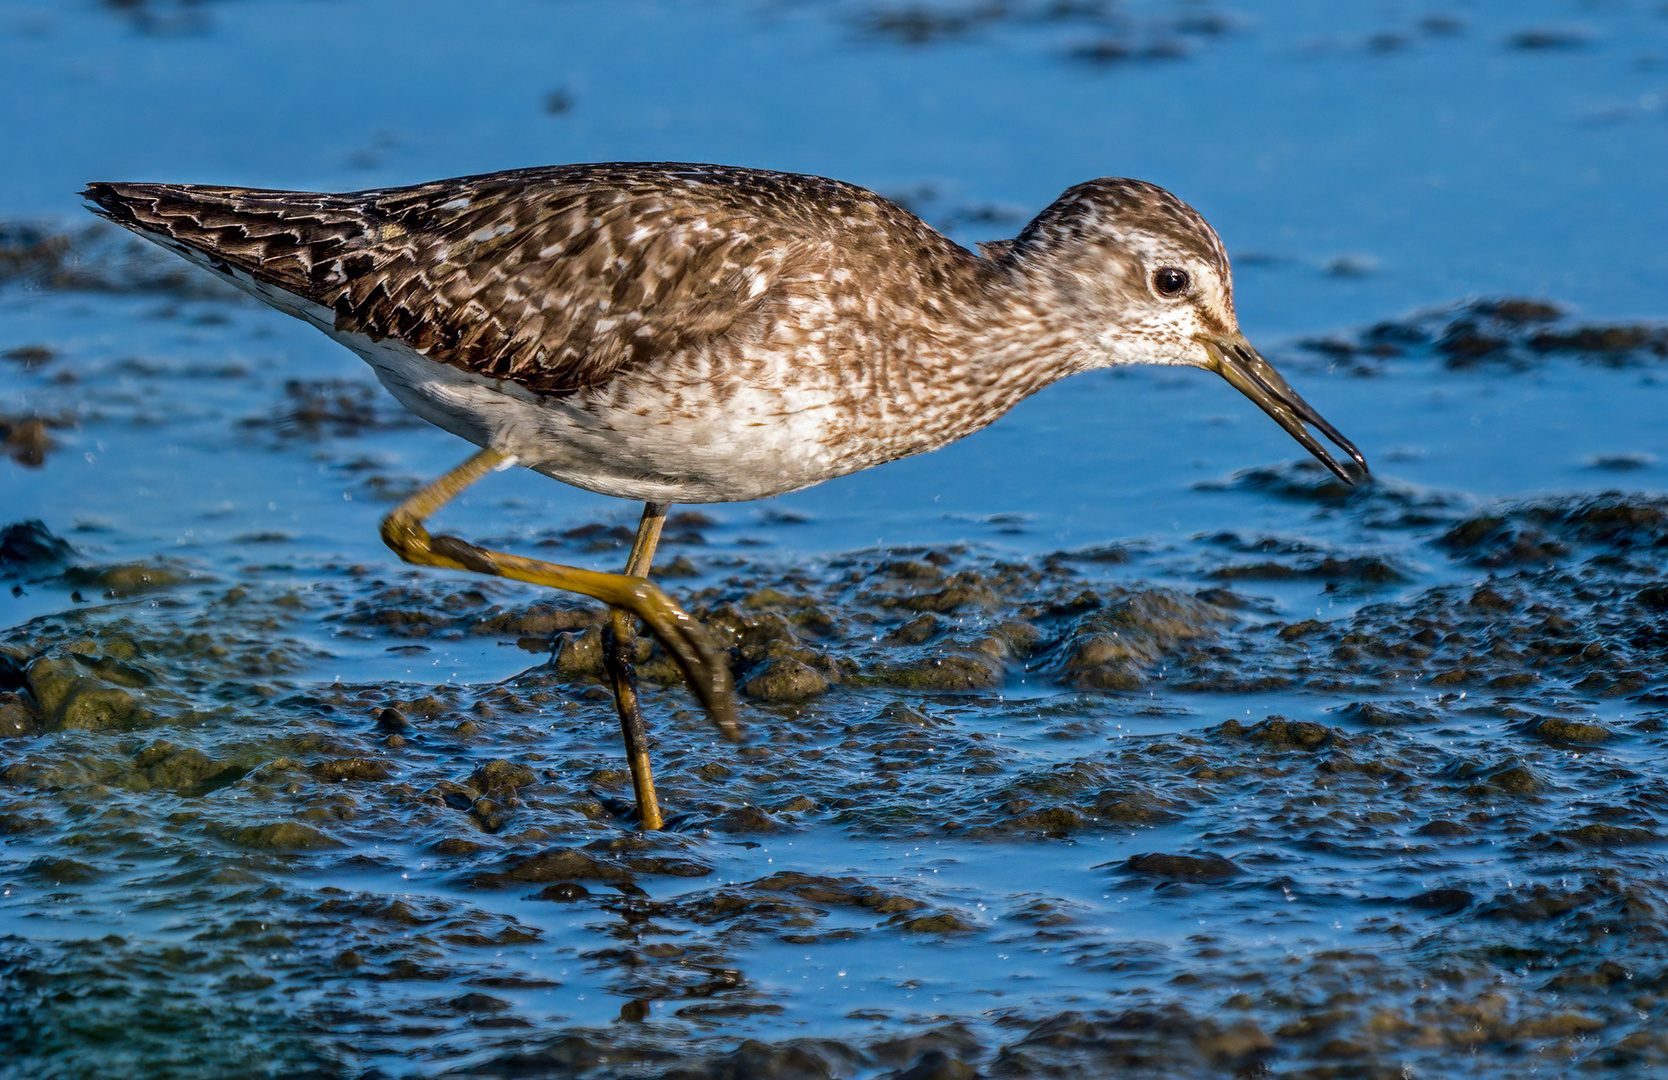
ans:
(699, 332)
(557, 278)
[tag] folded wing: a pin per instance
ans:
(557, 279)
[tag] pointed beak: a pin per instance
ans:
(1233, 358)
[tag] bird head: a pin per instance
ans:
(1154, 279)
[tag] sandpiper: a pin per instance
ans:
(702, 333)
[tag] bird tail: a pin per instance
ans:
(290, 240)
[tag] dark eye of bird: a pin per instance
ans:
(1170, 282)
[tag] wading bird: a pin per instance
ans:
(700, 333)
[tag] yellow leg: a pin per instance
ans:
(703, 668)
(619, 648)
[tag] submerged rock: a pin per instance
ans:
(284, 836)
(71, 698)
(1114, 646)
(1509, 334)
(126, 579)
(19, 716)
(785, 679)
(28, 548)
(555, 864)
(1205, 867)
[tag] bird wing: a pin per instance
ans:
(557, 279)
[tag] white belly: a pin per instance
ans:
(670, 444)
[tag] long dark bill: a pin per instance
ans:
(1254, 377)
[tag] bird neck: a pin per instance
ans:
(964, 342)
(1015, 338)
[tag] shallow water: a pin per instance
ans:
(1401, 747)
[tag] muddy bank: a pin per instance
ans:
(1460, 774)
(1367, 782)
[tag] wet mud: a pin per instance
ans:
(1459, 782)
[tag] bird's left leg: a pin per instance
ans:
(704, 668)
(619, 649)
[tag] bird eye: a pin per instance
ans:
(1170, 282)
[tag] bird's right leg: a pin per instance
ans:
(703, 668)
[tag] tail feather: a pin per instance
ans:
(294, 241)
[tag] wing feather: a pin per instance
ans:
(555, 278)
